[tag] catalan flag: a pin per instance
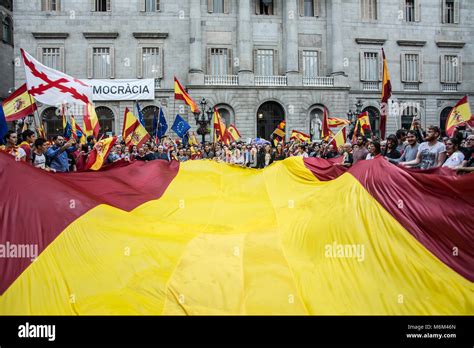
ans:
(133, 132)
(139, 243)
(99, 154)
(297, 135)
(181, 94)
(91, 121)
(461, 113)
(386, 94)
(18, 105)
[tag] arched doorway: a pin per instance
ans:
(106, 120)
(52, 122)
(443, 117)
(374, 117)
(148, 114)
(407, 116)
(269, 115)
(227, 114)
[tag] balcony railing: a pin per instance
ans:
(318, 81)
(371, 86)
(411, 86)
(221, 80)
(449, 87)
(271, 81)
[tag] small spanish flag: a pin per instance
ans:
(133, 132)
(460, 114)
(296, 135)
(91, 121)
(220, 133)
(339, 138)
(364, 122)
(386, 94)
(233, 133)
(18, 105)
(180, 93)
(100, 153)
(334, 122)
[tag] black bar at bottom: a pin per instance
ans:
(428, 331)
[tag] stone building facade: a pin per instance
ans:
(260, 61)
(6, 49)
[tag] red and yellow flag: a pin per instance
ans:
(386, 94)
(297, 135)
(233, 133)
(220, 132)
(99, 154)
(180, 93)
(339, 138)
(364, 122)
(133, 132)
(91, 121)
(325, 131)
(18, 105)
(460, 114)
(334, 122)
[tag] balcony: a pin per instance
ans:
(449, 87)
(318, 81)
(411, 86)
(271, 81)
(221, 80)
(371, 86)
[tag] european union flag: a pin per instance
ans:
(180, 126)
(162, 126)
(3, 125)
(155, 126)
(67, 131)
(140, 114)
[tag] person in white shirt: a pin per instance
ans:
(455, 157)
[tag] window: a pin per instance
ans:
(411, 71)
(218, 6)
(151, 62)
(101, 63)
(410, 10)
(369, 10)
(101, 6)
(370, 66)
(264, 7)
(264, 63)
(218, 64)
(310, 64)
(51, 57)
(50, 5)
(451, 69)
(7, 36)
(450, 11)
(152, 5)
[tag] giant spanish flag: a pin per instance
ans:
(299, 237)
(460, 114)
(181, 94)
(18, 105)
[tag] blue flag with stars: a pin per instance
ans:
(162, 125)
(140, 114)
(3, 125)
(180, 126)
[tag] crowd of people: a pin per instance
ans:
(414, 148)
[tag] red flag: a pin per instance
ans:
(325, 131)
(386, 94)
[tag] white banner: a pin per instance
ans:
(132, 89)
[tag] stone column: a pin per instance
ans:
(196, 73)
(245, 44)
(337, 49)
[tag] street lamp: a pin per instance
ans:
(203, 118)
(353, 115)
